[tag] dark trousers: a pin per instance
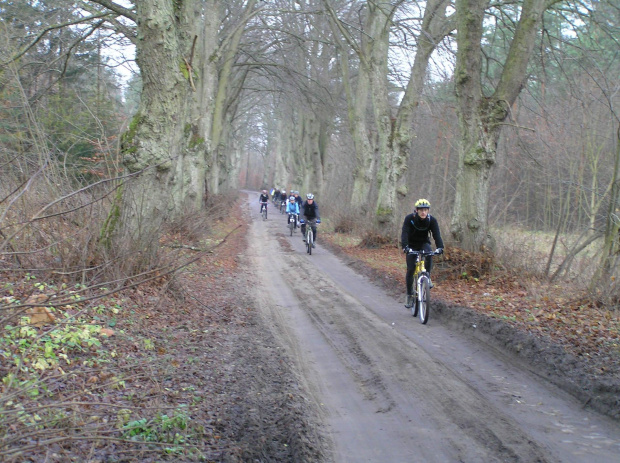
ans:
(411, 259)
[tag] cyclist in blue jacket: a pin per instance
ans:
(415, 236)
(293, 208)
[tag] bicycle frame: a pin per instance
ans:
(420, 265)
(263, 210)
(309, 233)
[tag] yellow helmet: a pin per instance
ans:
(422, 203)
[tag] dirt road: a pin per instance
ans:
(388, 389)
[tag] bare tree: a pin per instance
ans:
(383, 144)
(481, 116)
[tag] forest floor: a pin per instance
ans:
(188, 371)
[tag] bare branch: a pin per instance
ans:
(51, 28)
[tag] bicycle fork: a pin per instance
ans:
(420, 273)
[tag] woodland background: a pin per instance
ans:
(504, 115)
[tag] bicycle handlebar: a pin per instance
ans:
(423, 253)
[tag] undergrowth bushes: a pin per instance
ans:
(61, 375)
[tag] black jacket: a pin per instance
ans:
(415, 231)
(310, 211)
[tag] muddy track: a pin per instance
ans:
(386, 387)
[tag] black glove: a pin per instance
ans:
(406, 249)
(439, 250)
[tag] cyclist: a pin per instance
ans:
(298, 199)
(310, 211)
(282, 199)
(263, 199)
(414, 235)
(292, 208)
(276, 196)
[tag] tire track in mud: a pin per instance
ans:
(391, 371)
(328, 309)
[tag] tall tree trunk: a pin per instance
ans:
(365, 165)
(314, 151)
(167, 138)
(480, 117)
(218, 161)
(393, 186)
(611, 247)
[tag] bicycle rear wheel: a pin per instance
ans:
(424, 299)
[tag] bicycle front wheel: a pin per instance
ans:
(309, 240)
(291, 226)
(415, 306)
(424, 299)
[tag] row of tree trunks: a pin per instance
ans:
(383, 144)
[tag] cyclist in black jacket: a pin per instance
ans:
(263, 199)
(298, 199)
(415, 235)
(310, 212)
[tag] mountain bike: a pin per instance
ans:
(282, 206)
(292, 222)
(263, 210)
(420, 305)
(309, 237)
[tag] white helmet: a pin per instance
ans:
(310, 196)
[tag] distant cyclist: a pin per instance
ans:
(298, 199)
(415, 236)
(310, 212)
(263, 199)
